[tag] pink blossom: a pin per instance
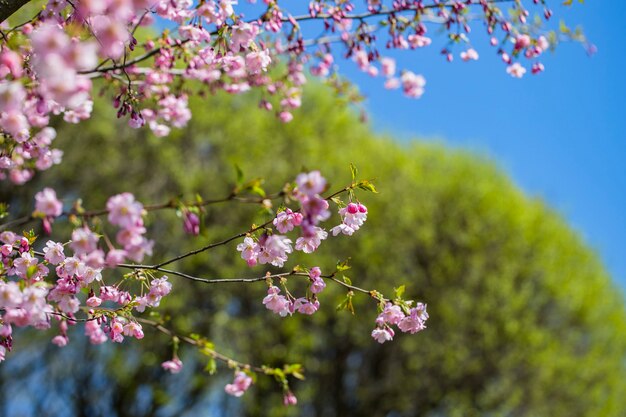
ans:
(60, 340)
(74, 266)
(6, 330)
(6, 250)
(191, 223)
(315, 273)
(537, 68)
(46, 202)
(133, 329)
(414, 322)
(91, 275)
(542, 43)
(124, 211)
(10, 295)
(22, 265)
(417, 41)
(111, 34)
(343, 229)
(286, 220)
(114, 257)
(285, 116)
(304, 306)
(94, 331)
(382, 335)
(469, 55)
(315, 210)
(354, 215)
(388, 66)
(12, 96)
(275, 302)
(242, 35)
(249, 251)
(54, 253)
(516, 70)
(309, 243)
(10, 63)
(160, 286)
(317, 285)
(16, 124)
(392, 314)
(174, 366)
(8, 237)
(289, 398)
(412, 84)
(311, 183)
(240, 384)
(522, 41)
(274, 250)
(257, 62)
(93, 301)
(84, 241)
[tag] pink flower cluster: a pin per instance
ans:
(23, 301)
(159, 288)
(394, 315)
(530, 48)
(127, 213)
(287, 305)
(274, 249)
(353, 216)
(26, 299)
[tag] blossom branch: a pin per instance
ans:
(237, 236)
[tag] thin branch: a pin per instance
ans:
(168, 205)
(237, 236)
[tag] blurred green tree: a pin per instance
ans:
(524, 319)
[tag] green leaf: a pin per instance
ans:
(354, 171)
(258, 190)
(239, 174)
(367, 186)
(346, 304)
(343, 266)
(4, 210)
(211, 366)
(399, 291)
(346, 280)
(338, 201)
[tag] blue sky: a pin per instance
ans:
(561, 135)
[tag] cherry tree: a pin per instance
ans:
(148, 57)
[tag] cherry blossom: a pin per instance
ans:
(240, 385)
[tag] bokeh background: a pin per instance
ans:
(501, 206)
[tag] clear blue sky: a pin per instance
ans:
(561, 135)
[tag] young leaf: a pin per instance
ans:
(354, 171)
(399, 291)
(367, 186)
(211, 367)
